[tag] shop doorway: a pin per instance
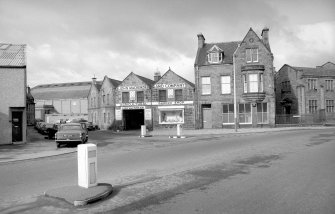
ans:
(16, 126)
(133, 119)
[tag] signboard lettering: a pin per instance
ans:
(127, 88)
(171, 85)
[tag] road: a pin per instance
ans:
(287, 172)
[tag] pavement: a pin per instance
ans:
(39, 147)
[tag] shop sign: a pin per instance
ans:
(171, 85)
(133, 107)
(118, 114)
(172, 103)
(127, 88)
(147, 114)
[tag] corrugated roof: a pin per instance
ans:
(72, 90)
(228, 51)
(68, 94)
(12, 55)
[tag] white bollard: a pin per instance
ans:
(143, 130)
(87, 165)
(179, 130)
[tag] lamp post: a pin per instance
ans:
(235, 99)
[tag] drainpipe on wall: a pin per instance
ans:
(235, 99)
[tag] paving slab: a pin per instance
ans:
(80, 196)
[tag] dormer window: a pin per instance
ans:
(214, 55)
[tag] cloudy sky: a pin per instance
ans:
(73, 40)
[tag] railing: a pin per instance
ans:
(320, 117)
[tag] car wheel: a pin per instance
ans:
(58, 145)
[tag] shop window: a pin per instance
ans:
(178, 94)
(228, 114)
(205, 85)
(225, 85)
(329, 106)
(125, 97)
(162, 95)
(244, 113)
(140, 96)
(312, 106)
(171, 116)
(251, 55)
(262, 113)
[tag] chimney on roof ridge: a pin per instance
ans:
(157, 75)
(94, 80)
(265, 37)
(201, 40)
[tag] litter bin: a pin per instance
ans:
(87, 165)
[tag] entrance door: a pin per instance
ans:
(16, 126)
(207, 118)
(133, 118)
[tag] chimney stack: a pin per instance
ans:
(157, 76)
(94, 80)
(201, 40)
(265, 37)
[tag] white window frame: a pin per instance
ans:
(206, 83)
(214, 57)
(225, 85)
(251, 55)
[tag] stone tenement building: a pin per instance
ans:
(214, 67)
(304, 91)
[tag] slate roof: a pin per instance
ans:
(228, 51)
(114, 82)
(12, 55)
(315, 72)
(146, 80)
(188, 82)
(73, 90)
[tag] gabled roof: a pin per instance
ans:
(115, 82)
(12, 55)
(261, 40)
(228, 49)
(170, 71)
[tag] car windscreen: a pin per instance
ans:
(71, 127)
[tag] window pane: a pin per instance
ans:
(259, 107)
(265, 107)
(253, 83)
(231, 108)
(125, 97)
(205, 80)
(247, 107)
(240, 108)
(140, 96)
(178, 94)
(162, 95)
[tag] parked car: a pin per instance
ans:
(90, 126)
(71, 133)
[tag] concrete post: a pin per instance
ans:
(87, 165)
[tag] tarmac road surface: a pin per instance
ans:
(247, 173)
